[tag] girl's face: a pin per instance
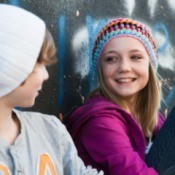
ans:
(24, 95)
(125, 67)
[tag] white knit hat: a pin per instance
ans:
(21, 38)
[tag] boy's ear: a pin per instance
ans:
(60, 116)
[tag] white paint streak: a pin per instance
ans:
(152, 6)
(166, 59)
(80, 44)
(77, 13)
(130, 4)
(171, 4)
(159, 39)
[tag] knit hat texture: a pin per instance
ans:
(125, 27)
(21, 38)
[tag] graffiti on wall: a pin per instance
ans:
(75, 25)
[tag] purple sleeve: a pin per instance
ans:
(106, 142)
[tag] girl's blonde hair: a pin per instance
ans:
(145, 111)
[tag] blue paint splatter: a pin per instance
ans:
(61, 43)
(14, 2)
(162, 27)
(93, 31)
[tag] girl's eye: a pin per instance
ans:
(110, 59)
(136, 57)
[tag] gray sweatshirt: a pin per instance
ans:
(44, 147)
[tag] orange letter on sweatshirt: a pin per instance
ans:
(4, 169)
(46, 162)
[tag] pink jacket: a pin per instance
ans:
(109, 139)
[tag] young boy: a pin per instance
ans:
(30, 143)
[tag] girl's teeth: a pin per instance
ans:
(125, 80)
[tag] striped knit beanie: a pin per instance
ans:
(125, 27)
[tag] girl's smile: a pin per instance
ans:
(125, 68)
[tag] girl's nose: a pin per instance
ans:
(124, 65)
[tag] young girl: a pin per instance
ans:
(30, 143)
(115, 128)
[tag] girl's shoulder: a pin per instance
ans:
(99, 109)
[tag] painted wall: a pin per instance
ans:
(74, 25)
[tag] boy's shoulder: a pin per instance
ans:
(37, 120)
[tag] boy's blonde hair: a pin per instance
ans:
(48, 50)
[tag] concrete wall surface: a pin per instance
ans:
(74, 25)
